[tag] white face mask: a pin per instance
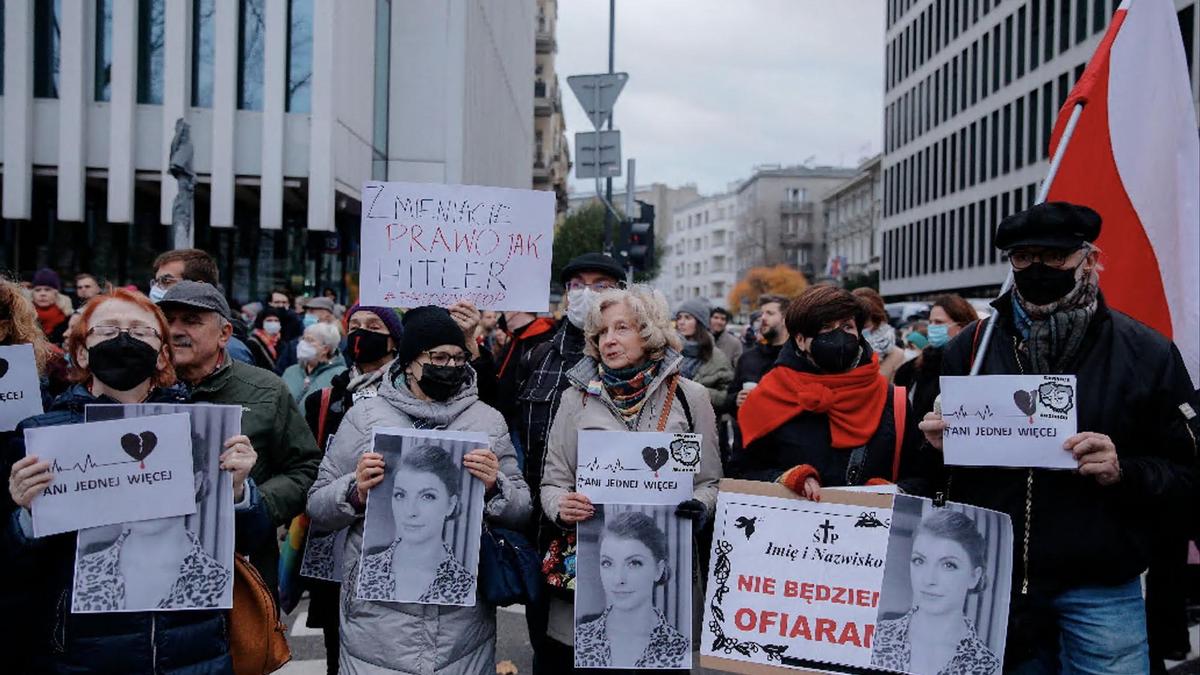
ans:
(157, 293)
(579, 303)
(910, 354)
(271, 327)
(305, 351)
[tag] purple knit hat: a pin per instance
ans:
(47, 277)
(389, 316)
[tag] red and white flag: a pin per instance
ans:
(1135, 159)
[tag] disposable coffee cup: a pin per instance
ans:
(749, 386)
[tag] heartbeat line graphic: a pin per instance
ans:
(87, 464)
(614, 467)
(962, 413)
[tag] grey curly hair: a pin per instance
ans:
(649, 307)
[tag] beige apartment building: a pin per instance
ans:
(551, 153)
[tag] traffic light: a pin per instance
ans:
(640, 243)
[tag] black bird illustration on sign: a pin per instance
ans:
(746, 525)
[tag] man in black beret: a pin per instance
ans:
(1084, 537)
(541, 382)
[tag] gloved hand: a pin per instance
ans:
(695, 510)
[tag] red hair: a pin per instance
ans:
(77, 336)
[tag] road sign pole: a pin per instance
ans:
(608, 216)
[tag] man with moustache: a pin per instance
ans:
(200, 326)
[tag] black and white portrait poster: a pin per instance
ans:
(633, 592)
(945, 598)
(323, 553)
(175, 563)
(423, 522)
(20, 388)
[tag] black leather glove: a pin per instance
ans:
(695, 510)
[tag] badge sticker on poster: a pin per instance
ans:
(624, 467)
(20, 389)
(429, 244)
(166, 564)
(113, 472)
(423, 522)
(1009, 420)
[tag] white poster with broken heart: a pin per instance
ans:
(626, 467)
(113, 472)
(20, 390)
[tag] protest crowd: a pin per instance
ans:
(820, 391)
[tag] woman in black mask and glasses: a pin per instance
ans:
(119, 355)
(824, 415)
(430, 385)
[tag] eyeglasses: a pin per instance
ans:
(165, 280)
(598, 287)
(1050, 257)
(446, 358)
(143, 333)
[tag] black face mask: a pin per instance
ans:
(366, 346)
(122, 362)
(836, 351)
(1040, 284)
(441, 382)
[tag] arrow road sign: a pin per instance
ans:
(597, 94)
(597, 154)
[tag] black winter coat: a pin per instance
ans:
(188, 642)
(806, 439)
(1132, 383)
(755, 363)
(922, 378)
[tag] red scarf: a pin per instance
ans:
(269, 341)
(50, 318)
(853, 402)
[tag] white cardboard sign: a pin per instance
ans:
(1009, 420)
(20, 391)
(430, 244)
(113, 472)
(630, 467)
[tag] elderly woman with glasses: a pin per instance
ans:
(629, 380)
(119, 355)
(430, 385)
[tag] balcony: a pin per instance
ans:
(545, 99)
(796, 239)
(545, 43)
(790, 208)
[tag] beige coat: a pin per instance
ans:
(580, 410)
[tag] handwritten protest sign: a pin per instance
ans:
(428, 244)
(113, 472)
(1009, 420)
(792, 583)
(20, 393)
(621, 467)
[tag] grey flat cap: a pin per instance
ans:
(197, 295)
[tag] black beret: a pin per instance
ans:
(1050, 224)
(592, 262)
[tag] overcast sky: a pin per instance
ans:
(718, 86)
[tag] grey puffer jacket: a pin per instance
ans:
(413, 639)
(581, 410)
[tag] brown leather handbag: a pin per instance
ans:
(257, 638)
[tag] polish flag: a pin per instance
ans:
(1135, 159)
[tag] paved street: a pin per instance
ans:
(308, 651)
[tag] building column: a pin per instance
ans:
(177, 91)
(18, 109)
(224, 114)
(72, 110)
(270, 206)
(321, 159)
(122, 109)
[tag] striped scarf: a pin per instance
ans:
(627, 387)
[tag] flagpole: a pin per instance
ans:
(1055, 162)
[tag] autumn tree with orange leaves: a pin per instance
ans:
(778, 280)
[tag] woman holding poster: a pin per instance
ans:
(430, 385)
(947, 565)
(120, 355)
(629, 380)
(825, 416)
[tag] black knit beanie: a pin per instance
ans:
(425, 328)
